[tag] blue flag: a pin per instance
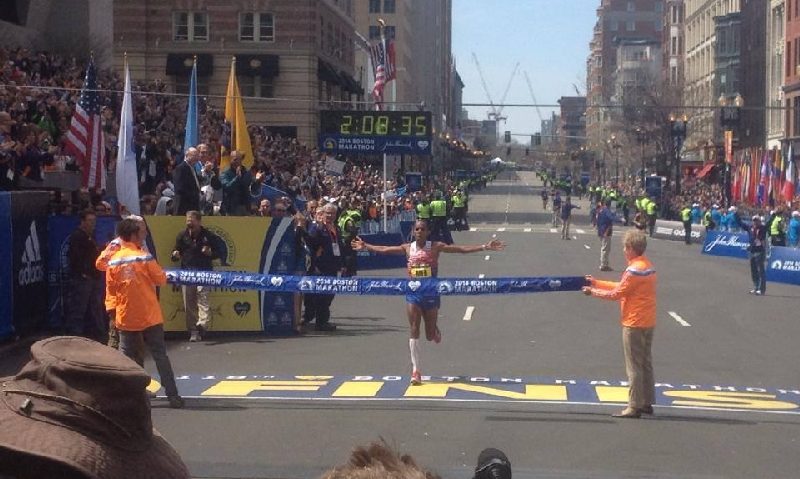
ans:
(192, 129)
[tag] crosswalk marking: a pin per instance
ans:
(580, 231)
(522, 229)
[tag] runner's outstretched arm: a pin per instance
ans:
(360, 245)
(493, 245)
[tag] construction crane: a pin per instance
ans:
(493, 111)
(533, 97)
(497, 110)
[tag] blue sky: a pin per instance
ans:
(550, 39)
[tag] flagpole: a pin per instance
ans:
(381, 25)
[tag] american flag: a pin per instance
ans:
(85, 137)
(383, 66)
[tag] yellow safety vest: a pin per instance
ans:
(775, 229)
(438, 208)
(423, 211)
(686, 214)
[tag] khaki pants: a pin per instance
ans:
(637, 345)
(565, 228)
(605, 250)
(195, 302)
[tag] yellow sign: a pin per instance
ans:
(241, 243)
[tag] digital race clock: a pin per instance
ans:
(391, 132)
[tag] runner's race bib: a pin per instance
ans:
(421, 271)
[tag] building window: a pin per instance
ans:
(631, 6)
(613, 25)
(190, 27)
(659, 7)
(388, 6)
(257, 86)
(374, 6)
(390, 31)
(659, 24)
(374, 32)
(256, 27)
(630, 26)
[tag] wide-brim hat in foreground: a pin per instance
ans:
(82, 405)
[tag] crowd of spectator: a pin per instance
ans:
(38, 93)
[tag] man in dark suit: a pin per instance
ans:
(187, 185)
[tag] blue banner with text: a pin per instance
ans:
(376, 286)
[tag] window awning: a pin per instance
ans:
(349, 83)
(261, 65)
(705, 170)
(326, 72)
(180, 64)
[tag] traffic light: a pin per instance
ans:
(508, 137)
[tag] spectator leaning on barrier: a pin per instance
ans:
(194, 248)
(133, 275)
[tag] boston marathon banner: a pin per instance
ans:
(375, 286)
(241, 242)
(783, 264)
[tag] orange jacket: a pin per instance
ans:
(636, 293)
(102, 265)
(131, 279)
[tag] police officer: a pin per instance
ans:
(686, 218)
(459, 207)
(650, 210)
(708, 221)
(349, 224)
(424, 209)
(439, 219)
(777, 230)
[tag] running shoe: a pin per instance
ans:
(416, 378)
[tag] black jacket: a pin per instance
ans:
(83, 253)
(187, 189)
(190, 248)
(320, 243)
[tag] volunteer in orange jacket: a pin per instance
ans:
(132, 277)
(636, 293)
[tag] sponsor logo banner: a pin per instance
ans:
(375, 286)
(783, 265)
(479, 388)
(6, 268)
(29, 285)
(234, 305)
(391, 145)
(720, 243)
(673, 230)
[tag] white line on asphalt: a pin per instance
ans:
(473, 229)
(500, 230)
(580, 231)
(527, 230)
(486, 258)
(468, 313)
(677, 318)
(481, 276)
(553, 230)
(587, 246)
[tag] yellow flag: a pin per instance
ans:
(234, 115)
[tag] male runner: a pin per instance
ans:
(423, 262)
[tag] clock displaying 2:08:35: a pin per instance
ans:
(377, 123)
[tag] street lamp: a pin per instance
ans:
(729, 117)
(678, 132)
(641, 136)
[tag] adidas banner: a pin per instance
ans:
(6, 270)
(375, 286)
(29, 253)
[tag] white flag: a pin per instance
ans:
(127, 179)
